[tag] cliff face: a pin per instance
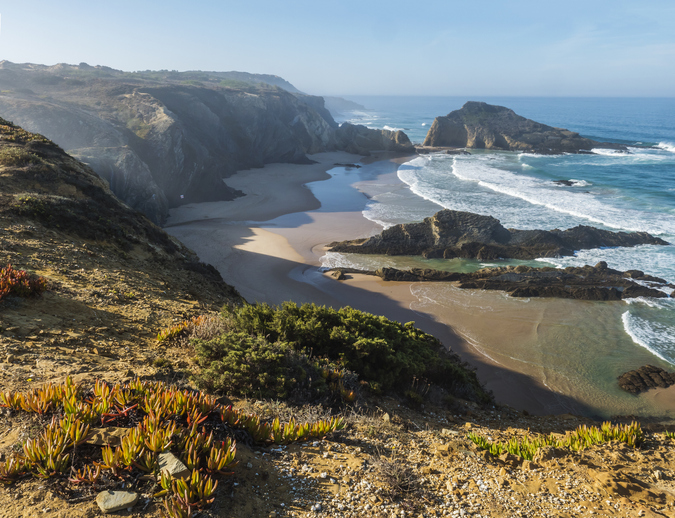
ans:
(161, 139)
(450, 234)
(484, 126)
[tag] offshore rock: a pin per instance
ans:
(584, 283)
(449, 234)
(485, 126)
(645, 378)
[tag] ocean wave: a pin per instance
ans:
(544, 193)
(668, 304)
(667, 146)
(608, 152)
(652, 259)
(657, 338)
(391, 128)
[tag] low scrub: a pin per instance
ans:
(159, 419)
(274, 349)
(581, 438)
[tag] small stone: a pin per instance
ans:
(107, 436)
(112, 501)
(386, 418)
(10, 358)
(169, 462)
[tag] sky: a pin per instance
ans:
(367, 47)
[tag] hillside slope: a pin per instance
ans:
(114, 277)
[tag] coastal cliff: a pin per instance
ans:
(161, 139)
(450, 234)
(485, 126)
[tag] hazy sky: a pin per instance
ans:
(508, 47)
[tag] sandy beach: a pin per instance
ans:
(268, 244)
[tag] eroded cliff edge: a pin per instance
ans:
(485, 126)
(164, 138)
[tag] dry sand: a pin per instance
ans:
(268, 244)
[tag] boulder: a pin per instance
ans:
(645, 378)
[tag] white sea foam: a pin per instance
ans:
(657, 338)
(424, 124)
(652, 259)
(392, 128)
(668, 146)
(608, 152)
(668, 304)
(544, 193)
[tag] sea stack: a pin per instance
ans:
(485, 126)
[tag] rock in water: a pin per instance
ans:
(485, 126)
(450, 234)
(645, 378)
(585, 283)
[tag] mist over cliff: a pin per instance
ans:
(163, 138)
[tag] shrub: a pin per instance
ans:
(384, 353)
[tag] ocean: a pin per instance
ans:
(578, 348)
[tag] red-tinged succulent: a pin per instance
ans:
(87, 475)
(12, 469)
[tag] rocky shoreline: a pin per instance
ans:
(585, 283)
(449, 234)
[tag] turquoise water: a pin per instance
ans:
(632, 191)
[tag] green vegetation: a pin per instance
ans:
(20, 283)
(581, 438)
(13, 133)
(268, 349)
(165, 418)
(17, 157)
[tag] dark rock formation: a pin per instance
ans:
(161, 139)
(586, 283)
(484, 126)
(645, 378)
(361, 140)
(450, 234)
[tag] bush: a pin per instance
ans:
(249, 365)
(384, 353)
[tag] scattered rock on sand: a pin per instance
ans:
(645, 378)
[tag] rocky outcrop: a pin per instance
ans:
(161, 139)
(449, 234)
(485, 126)
(360, 140)
(645, 378)
(585, 283)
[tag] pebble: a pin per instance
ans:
(112, 501)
